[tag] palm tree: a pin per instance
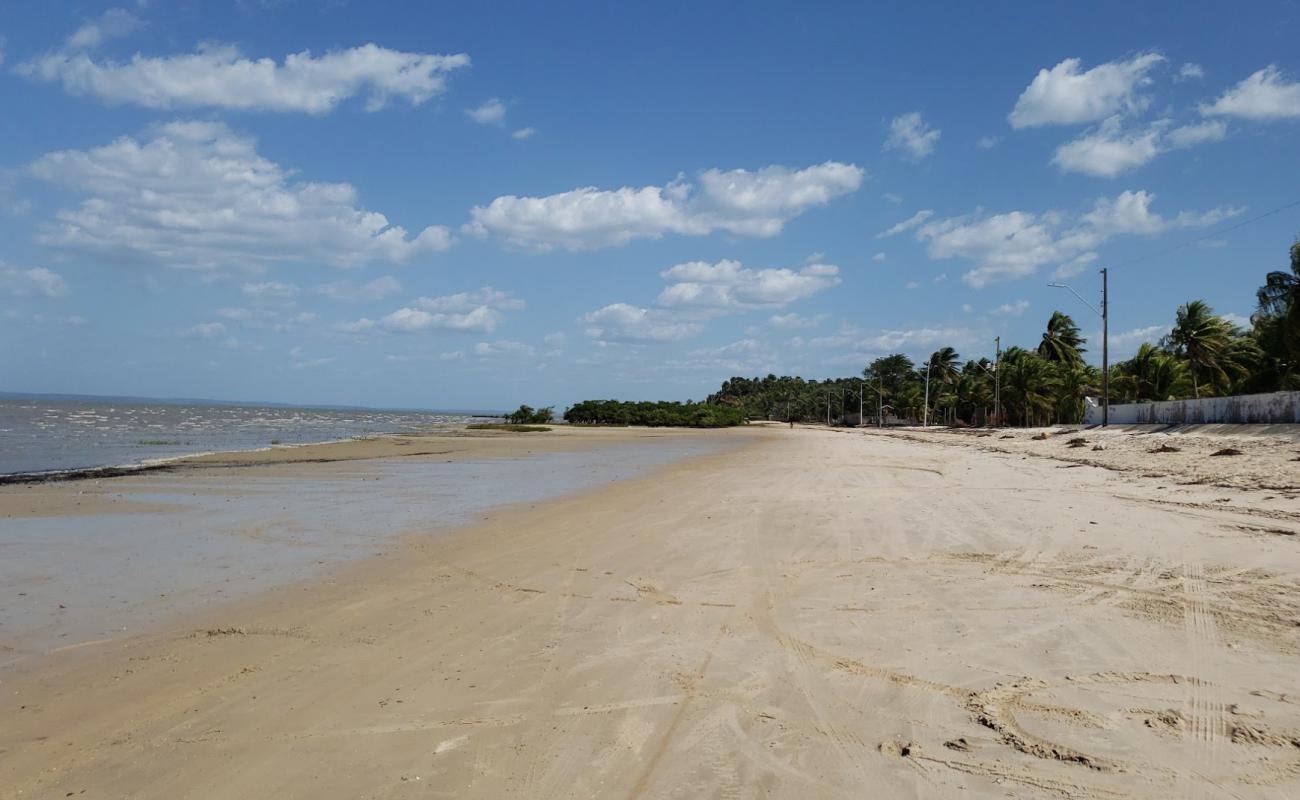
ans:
(1152, 374)
(1279, 311)
(1061, 341)
(1071, 384)
(1202, 338)
(1027, 384)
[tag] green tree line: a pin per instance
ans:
(1202, 355)
(654, 414)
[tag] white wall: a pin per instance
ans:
(1275, 407)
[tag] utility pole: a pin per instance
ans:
(828, 409)
(1104, 313)
(925, 415)
(880, 405)
(997, 380)
(1105, 348)
(862, 390)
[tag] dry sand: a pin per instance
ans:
(817, 615)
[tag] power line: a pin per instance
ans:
(1210, 235)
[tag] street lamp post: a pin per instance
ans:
(1104, 313)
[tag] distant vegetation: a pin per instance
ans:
(655, 415)
(527, 415)
(507, 426)
(1202, 355)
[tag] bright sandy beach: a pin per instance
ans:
(805, 613)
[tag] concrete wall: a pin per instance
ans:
(1275, 408)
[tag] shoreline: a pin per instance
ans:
(798, 617)
(186, 509)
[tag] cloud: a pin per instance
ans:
(349, 292)
(465, 301)
(268, 318)
(412, 320)
(219, 76)
(890, 340)
(788, 322)
(893, 198)
(478, 311)
(1015, 309)
(314, 363)
(269, 290)
(1109, 150)
(988, 142)
(623, 322)
(728, 285)
(205, 330)
(1130, 212)
(1265, 95)
(910, 134)
(907, 224)
(492, 112)
(1192, 135)
(524, 133)
(1073, 267)
(1063, 95)
(1190, 70)
(197, 195)
(503, 347)
(745, 203)
(1136, 335)
(1016, 243)
(36, 281)
(879, 257)
(113, 23)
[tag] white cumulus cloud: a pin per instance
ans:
(742, 202)
(729, 285)
(197, 195)
(907, 224)
(479, 311)
(219, 76)
(113, 23)
(910, 134)
(1110, 150)
(269, 290)
(492, 112)
(1265, 95)
(35, 281)
(624, 322)
(1015, 309)
(1066, 94)
(1015, 244)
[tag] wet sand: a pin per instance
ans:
(93, 559)
(819, 614)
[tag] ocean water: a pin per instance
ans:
(214, 537)
(47, 433)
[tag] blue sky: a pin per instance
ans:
(480, 204)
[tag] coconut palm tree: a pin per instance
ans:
(1027, 385)
(1061, 341)
(1202, 338)
(1070, 384)
(1152, 374)
(1278, 312)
